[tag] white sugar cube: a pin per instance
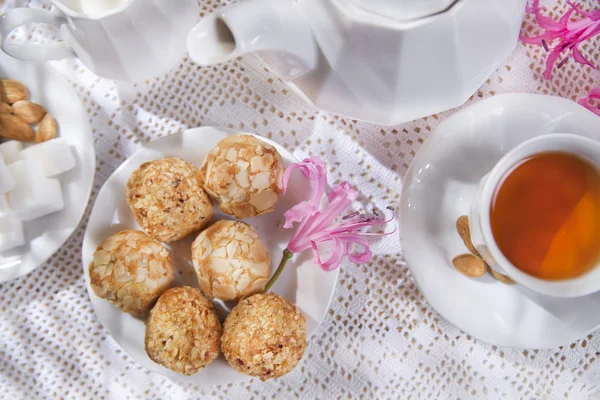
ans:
(34, 195)
(11, 151)
(11, 232)
(7, 182)
(55, 156)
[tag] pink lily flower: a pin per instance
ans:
(569, 34)
(321, 225)
(587, 101)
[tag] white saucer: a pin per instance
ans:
(302, 282)
(438, 189)
(44, 236)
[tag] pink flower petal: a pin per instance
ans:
(340, 198)
(590, 32)
(578, 9)
(338, 251)
(547, 36)
(314, 169)
(362, 257)
(301, 239)
(298, 213)
(343, 190)
(565, 18)
(552, 58)
(587, 103)
(534, 6)
(547, 22)
(595, 93)
(577, 56)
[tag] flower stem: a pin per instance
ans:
(287, 255)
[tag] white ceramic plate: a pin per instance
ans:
(438, 189)
(47, 234)
(302, 282)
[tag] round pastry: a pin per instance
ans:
(264, 336)
(167, 199)
(183, 331)
(131, 270)
(230, 261)
(243, 175)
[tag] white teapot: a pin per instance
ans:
(382, 61)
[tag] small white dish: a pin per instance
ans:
(302, 282)
(44, 236)
(439, 187)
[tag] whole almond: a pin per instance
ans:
(5, 108)
(464, 231)
(47, 129)
(12, 91)
(469, 265)
(14, 128)
(29, 112)
(500, 277)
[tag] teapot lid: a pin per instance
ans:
(403, 10)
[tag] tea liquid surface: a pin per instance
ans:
(545, 216)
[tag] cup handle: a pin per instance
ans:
(17, 17)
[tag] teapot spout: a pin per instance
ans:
(274, 27)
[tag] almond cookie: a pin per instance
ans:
(183, 331)
(264, 336)
(131, 270)
(230, 261)
(167, 199)
(243, 175)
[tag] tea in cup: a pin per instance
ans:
(536, 215)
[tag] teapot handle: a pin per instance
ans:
(275, 27)
(17, 17)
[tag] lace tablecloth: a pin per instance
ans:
(380, 340)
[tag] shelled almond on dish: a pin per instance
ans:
(472, 264)
(167, 198)
(29, 174)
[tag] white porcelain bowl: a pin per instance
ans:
(44, 236)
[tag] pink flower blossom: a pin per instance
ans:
(569, 34)
(588, 101)
(325, 225)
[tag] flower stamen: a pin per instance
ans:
(562, 63)
(545, 46)
(354, 214)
